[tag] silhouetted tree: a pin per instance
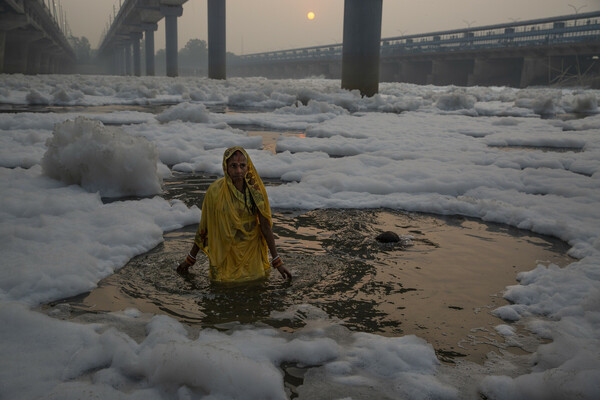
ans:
(193, 58)
(194, 54)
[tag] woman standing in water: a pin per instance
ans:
(235, 227)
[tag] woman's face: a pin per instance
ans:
(237, 167)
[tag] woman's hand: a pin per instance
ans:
(277, 263)
(189, 261)
(183, 268)
(285, 273)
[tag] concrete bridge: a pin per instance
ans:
(564, 49)
(31, 40)
(137, 17)
(120, 46)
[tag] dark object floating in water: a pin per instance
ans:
(388, 237)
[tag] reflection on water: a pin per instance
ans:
(441, 287)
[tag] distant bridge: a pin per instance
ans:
(135, 19)
(561, 49)
(31, 40)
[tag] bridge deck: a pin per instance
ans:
(555, 31)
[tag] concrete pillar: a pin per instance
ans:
(34, 59)
(15, 60)
(497, 72)
(2, 50)
(534, 72)
(451, 72)
(123, 55)
(52, 64)
(127, 58)
(217, 68)
(137, 62)
(115, 62)
(120, 60)
(389, 71)
(360, 51)
(171, 14)
(149, 30)
(44, 63)
(415, 72)
(17, 50)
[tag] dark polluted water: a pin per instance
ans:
(440, 283)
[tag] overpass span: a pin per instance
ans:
(563, 49)
(31, 40)
(138, 18)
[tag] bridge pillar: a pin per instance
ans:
(534, 72)
(51, 64)
(497, 72)
(360, 51)
(17, 50)
(334, 70)
(137, 63)
(119, 61)
(217, 68)
(2, 49)
(171, 14)
(149, 30)
(15, 60)
(127, 58)
(417, 72)
(451, 72)
(34, 59)
(45, 63)
(114, 62)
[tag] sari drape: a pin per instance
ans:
(229, 232)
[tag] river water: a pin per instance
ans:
(440, 282)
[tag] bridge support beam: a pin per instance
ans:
(171, 14)
(149, 30)
(360, 52)
(217, 68)
(137, 62)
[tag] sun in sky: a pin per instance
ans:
(310, 15)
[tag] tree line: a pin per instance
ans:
(192, 58)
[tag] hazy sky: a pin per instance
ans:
(264, 25)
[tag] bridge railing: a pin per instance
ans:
(56, 15)
(539, 32)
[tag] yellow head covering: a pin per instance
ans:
(229, 232)
(253, 182)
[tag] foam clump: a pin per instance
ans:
(584, 103)
(34, 97)
(186, 112)
(102, 159)
(312, 107)
(455, 101)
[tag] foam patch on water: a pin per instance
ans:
(102, 159)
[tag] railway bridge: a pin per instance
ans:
(563, 49)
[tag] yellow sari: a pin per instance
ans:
(229, 231)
